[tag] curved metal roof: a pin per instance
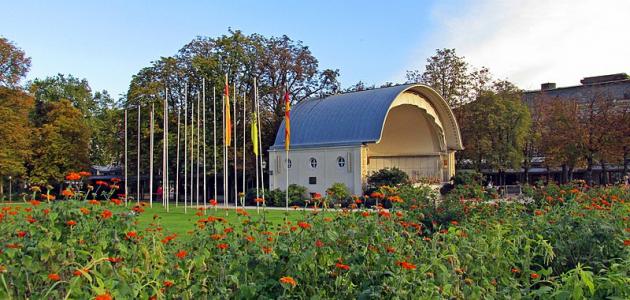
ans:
(341, 120)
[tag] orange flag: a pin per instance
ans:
(228, 117)
(287, 121)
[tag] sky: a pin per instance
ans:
(525, 41)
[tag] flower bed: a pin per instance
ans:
(570, 242)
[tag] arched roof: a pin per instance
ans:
(358, 117)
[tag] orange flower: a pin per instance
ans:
(71, 223)
(538, 212)
(106, 214)
(115, 180)
(288, 280)
(319, 244)
(217, 236)
(534, 276)
(365, 213)
(132, 234)
(85, 211)
(304, 225)
(395, 199)
(342, 266)
(79, 272)
(377, 195)
(626, 242)
(168, 283)
(228, 230)
(54, 277)
(515, 270)
(181, 254)
(267, 250)
(406, 265)
(223, 246)
(67, 193)
(250, 238)
(115, 259)
(72, 176)
(455, 223)
(35, 202)
(116, 201)
(105, 296)
(213, 202)
(93, 202)
(102, 183)
(85, 174)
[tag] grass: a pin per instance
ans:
(179, 222)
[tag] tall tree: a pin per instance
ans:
(15, 132)
(61, 144)
(14, 64)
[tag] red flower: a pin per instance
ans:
(131, 234)
(181, 254)
(105, 296)
(406, 265)
(85, 174)
(377, 195)
(168, 283)
(515, 270)
(54, 277)
(72, 176)
(319, 244)
(365, 213)
(223, 246)
(115, 180)
(288, 280)
(213, 202)
(538, 212)
(93, 202)
(35, 202)
(250, 238)
(71, 223)
(85, 211)
(258, 200)
(228, 230)
(534, 276)
(267, 250)
(106, 214)
(626, 242)
(304, 225)
(454, 223)
(21, 234)
(317, 196)
(116, 201)
(342, 266)
(115, 259)
(102, 183)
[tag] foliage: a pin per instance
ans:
(470, 178)
(297, 196)
(387, 176)
(81, 249)
(15, 130)
(339, 193)
(14, 64)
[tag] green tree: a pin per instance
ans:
(15, 132)
(61, 144)
(14, 64)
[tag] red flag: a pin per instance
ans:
(287, 121)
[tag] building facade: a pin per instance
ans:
(344, 138)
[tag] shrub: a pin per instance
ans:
(277, 197)
(390, 177)
(339, 193)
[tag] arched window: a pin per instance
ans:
(341, 162)
(313, 162)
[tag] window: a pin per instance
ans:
(341, 162)
(312, 180)
(313, 162)
(289, 163)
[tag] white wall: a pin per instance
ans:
(326, 173)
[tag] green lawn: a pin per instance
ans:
(179, 222)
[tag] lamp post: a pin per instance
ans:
(10, 184)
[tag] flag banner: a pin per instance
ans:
(254, 129)
(228, 117)
(287, 121)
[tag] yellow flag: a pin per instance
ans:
(254, 125)
(228, 116)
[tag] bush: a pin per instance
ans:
(277, 197)
(390, 177)
(468, 178)
(339, 193)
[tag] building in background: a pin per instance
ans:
(345, 137)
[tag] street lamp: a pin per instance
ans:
(10, 184)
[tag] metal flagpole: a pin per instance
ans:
(214, 137)
(244, 149)
(260, 153)
(287, 143)
(138, 163)
(225, 167)
(235, 146)
(167, 190)
(255, 136)
(198, 157)
(192, 151)
(186, 149)
(205, 189)
(164, 150)
(126, 181)
(177, 160)
(151, 155)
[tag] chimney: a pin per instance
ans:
(548, 86)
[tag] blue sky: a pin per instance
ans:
(526, 41)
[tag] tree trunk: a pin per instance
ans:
(570, 173)
(604, 173)
(565, 175)
(526, 174)
(1, 187)
(589, 169)
(626, 151)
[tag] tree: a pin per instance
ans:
(447, 73)
(61, 144)
(15, 132)
(14, 64)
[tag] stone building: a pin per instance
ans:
(345, 137)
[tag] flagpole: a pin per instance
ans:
(126, 185)
(138, 163)
(151, 155)
(255, 143)
(287, 140)
(186, 149)
(235, 146)
(164, 149)
(177, 160)
(198, 158)
(225, 167)
(205, 189)
(192, 151)
(244, 149)
(214, 138)
(260, 153)
(166, 192)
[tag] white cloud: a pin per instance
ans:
(535, 41)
